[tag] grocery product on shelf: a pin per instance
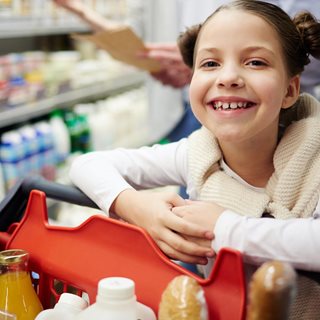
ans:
(68, 306)
(2, 183)
(12, 156)
(20, 298)
(61, 138)
(18, 91)
(48, 155)
(116, 300)
(31, 148)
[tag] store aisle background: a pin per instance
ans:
(102, 102)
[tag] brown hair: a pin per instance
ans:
(299, 37)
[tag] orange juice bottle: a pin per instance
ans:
(17, 295)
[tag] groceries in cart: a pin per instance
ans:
(272, 290)
(17, 295)
(68, 306)
(116, 300)
(183, 299)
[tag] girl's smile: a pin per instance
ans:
(230, 107)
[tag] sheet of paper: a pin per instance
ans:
(122, 44)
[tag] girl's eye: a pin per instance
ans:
(256, 63)
(210, 64)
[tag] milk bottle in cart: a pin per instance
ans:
(116, 300)
(68, 306)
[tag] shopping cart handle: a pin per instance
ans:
(12, 207)
(57, 191)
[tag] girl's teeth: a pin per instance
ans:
(225, 105)
(233, 105)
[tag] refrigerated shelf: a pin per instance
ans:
(95, 91)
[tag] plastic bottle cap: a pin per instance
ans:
(74, 300)
(116, 288)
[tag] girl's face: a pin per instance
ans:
(240, 82)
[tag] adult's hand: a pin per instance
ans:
(174, 72)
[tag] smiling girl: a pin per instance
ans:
(257, 154)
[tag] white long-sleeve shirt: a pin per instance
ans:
(103, 175)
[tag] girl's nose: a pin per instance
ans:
(230, 77)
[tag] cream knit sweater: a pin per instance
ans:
(292, 190)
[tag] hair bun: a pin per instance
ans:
(186, 44)
(309, 30)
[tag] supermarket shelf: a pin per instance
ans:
(26, 27)
(65, 100)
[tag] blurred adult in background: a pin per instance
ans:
(147, 19)
(159, 23)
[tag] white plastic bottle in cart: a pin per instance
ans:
(116, 300)
(68, 306)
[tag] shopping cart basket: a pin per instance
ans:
(78, 257)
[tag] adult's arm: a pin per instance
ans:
(96, 21)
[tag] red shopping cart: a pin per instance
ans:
(79, 257)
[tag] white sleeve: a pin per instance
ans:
(296, 241)
(103, 175)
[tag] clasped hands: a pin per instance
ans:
(182, 229)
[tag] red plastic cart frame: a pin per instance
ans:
(102, 247)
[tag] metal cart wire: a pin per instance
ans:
(76, 258)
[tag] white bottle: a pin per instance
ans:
(68, 306)
(61, 136)
(116, 300)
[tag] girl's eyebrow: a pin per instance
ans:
(259, 48)
(249, 49)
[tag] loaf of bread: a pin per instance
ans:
(271, 291)
(183, 299)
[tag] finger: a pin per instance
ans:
(162, 46)
(185, 227)
(193, 202)
(176, 255)
(165, 57)
(179, 213)
(181, 210)
(180, 244)
(176, 200)
(200, 241)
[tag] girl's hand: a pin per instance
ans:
(152, 211)
(203, 213)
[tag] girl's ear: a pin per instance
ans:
(293, 92)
